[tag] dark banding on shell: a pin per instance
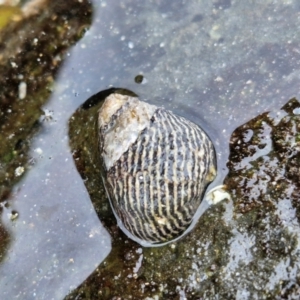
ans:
(157, 166)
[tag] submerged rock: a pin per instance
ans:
(243, 248)
(262, 164)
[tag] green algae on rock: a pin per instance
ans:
(32, 64)
(31, 52)
(9, 13)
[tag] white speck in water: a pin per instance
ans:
(13, 64)
(35, 41)
(219, 79)
(139, 250)
(19, 171)
(38, 151)
(48, 115)
(22, 90)
(130, 45)
(123, 38)
(13, 216)
(144, 80)
(296, 111)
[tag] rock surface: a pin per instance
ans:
(246, 248)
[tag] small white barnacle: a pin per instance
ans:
(157, 166)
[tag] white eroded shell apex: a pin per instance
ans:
(126, 128)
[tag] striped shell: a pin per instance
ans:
(156, 168)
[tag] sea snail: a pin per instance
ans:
(156, 167)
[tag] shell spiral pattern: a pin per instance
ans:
(157, 166)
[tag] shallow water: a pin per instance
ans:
(217, 63)
(217, 67)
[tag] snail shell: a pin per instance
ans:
(156, 167)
